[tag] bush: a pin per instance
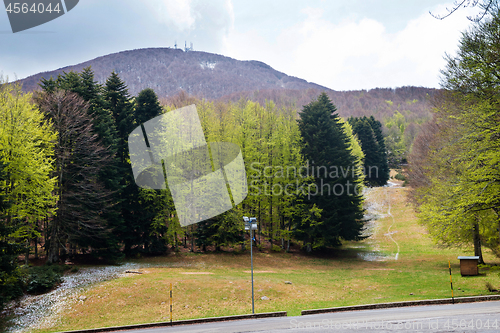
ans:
(276, 248)
(400, 176)
(11, 286)
(43, 278)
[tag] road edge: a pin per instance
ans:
(403, 304)
(182, 322)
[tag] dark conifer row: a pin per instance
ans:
(369, 133)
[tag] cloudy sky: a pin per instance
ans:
(341, 44)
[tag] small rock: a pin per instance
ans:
(458, 288)
(224, 297)
(260, 289)
(288, 282)
(411, 293)
(82, 298)
(187, 306)
(162, 302)
(264, 298)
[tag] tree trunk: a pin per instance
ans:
(53, 248)
(176, 242)
(477, 244)
(36, 247)
(192, 239)
(27, 254)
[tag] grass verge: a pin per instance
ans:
(208, 285)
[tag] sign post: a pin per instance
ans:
(170, 302)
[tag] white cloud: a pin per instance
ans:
(175, 13)
(356, 54)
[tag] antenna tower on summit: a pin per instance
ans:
(187, 49)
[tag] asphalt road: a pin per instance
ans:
(471, 317)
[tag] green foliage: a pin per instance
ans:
(458, 162)
(40, 279)
(10, 274)
(400, 176)
(103, 124)
(395, 138)
(276, 248)
(26, 187)
(369, 133)
(26, 149)
(326, 143)
(147, 106)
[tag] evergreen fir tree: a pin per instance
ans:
(369, 133)
(383, 172)
(147, 106)
(326, 147)
(118, 102)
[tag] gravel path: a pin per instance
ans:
(374, 210)
(41, 311)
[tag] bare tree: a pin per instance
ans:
(80, 157)
(485, 5)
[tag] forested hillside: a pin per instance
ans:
(67, 188)
(170, 72)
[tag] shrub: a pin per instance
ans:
(276, 248)
(400, 176)
(43, 278)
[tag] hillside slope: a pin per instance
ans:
(205, 75)
(169, 71)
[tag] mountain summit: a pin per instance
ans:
(168, 71)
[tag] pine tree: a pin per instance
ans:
(369, 133)
(119, 103)
(383, 172)
(117, 100)
(326, 147)
(156, 205)
(147, 106)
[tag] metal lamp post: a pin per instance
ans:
(251, 224)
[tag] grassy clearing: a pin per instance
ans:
(219, 284)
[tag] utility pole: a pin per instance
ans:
(251, 224)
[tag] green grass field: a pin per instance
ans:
(207, 285)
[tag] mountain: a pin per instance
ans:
(168, 71)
